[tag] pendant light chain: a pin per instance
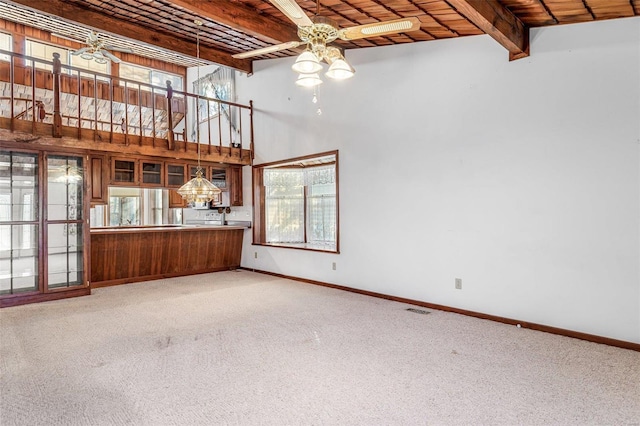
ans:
(199, 24)
(198, 189)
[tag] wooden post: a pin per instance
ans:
(57, 118)
(170, 141)
(251, 129)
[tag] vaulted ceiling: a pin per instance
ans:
(165, 28)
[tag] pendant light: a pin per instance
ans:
(198, 189)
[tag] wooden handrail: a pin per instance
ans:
(103, 100)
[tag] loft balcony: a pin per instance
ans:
(48, 103)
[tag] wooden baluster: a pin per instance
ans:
(11, 89)
(140, 111)
(34, 111)
(219, 128)
(153, 116)
(79, 106)
(125, 120)
(251, 129)
(230, 132)
(239, 129)
(111, 89)
(209, 126)
(170, 141)
(57, 118)
(95, 107)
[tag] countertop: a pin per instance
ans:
(164, 228)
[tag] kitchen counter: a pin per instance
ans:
(132, 254)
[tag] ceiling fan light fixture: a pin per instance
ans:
(87, 56)
(308, 80)
(307, 63)
(340, 70)
(101, 60)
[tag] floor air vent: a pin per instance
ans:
(418, 311)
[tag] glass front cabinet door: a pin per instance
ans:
(19, 223)
(42, 226)
(65, 222)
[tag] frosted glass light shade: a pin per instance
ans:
(198, 189)
(340, 70)
(308, 80)
(307, 63)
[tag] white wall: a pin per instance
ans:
(522, 178)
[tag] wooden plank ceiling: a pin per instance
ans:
(165, 29)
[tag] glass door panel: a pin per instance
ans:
(18, 258)
(18, 222)
(65, 237)
(65, 255)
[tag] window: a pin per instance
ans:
(45, 52)
(131, 206)
(220, 84)
(298, 200)
(5, 44)
(150, 76)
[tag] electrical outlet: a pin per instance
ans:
(333, 266)
(458, 283)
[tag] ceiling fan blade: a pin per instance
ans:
(380, 28)
(270, 49)
(118, 49)
(80, 51)
(110, 56)
(293, 11)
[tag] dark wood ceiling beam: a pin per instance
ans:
(498, 22)
(241, 18)
(135, 32)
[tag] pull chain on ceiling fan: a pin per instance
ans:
(317, 33)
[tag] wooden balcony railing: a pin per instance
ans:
(52, 99)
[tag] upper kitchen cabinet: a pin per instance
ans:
(124, 171)
(152, 173)
(98, 179)
(175, 175)
(234, 179)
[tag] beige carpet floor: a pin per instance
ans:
(250, 349)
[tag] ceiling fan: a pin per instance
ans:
(96, 49)
(318, 32)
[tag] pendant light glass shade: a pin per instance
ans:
(198, 189)
(307, 63)
(340, 70)
(308, 80)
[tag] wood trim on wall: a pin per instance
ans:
(524, 324)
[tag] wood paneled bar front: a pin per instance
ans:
(127, 255)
